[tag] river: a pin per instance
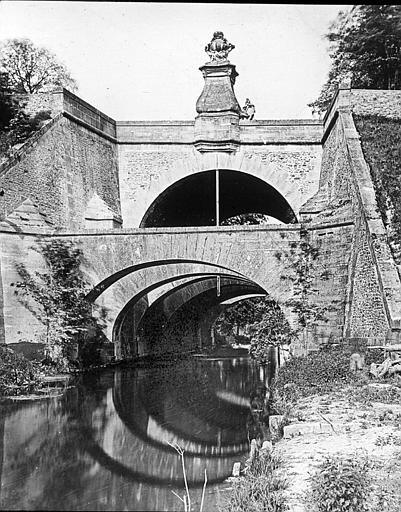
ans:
(104, 444)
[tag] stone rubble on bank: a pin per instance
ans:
(356, 428)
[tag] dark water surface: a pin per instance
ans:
(104, 444)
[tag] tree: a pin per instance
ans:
(16, 125)
(31, 68)
(239, 315)
(8, 106)
(265, 320)
(272, 329)
(365, 47)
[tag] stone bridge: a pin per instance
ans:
(146, 200)
(132, 270)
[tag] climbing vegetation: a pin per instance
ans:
(57, 298)
(381, 144)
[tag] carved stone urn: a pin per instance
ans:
(217, 123)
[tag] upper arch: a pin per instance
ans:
(195, 163)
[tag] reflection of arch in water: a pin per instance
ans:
(140, 458)
(191, 201)
(188, 404)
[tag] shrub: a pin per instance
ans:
(318, 372)
(388, 439)
(387, 485)
(341, 484)
(374, 355)
(17, 374)
(368, 395)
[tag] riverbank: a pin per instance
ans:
(360, 420)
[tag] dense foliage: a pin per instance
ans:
(57, 298)
(317, 372)
(381, 144)
(17, 374)
(31, 68)
(16, 125)
(341, 484)
(25, 69)
(272, 329)
(263, 320)
(239, 316)
(7, 104)
(365, 47)
(246, 219)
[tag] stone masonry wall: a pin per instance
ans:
(330, 277)
(372, 305)
(147, 170)
(140, 169)
(367, 315)
(60, 172)
(300, 163)
(335, 176)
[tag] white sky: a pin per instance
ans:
(140, 60)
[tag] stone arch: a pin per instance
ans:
(197, 162)
(129, 288)
(128, 323)
(131, 261)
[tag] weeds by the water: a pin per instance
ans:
(261, 488)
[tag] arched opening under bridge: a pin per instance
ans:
(208, 198)
(177, 313)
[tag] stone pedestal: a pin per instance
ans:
(217, 125)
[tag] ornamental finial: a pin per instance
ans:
(218, 48)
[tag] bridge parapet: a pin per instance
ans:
(286, 131)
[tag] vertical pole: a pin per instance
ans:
(218, 213)
(217, 193)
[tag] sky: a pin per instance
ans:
(140, 60)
